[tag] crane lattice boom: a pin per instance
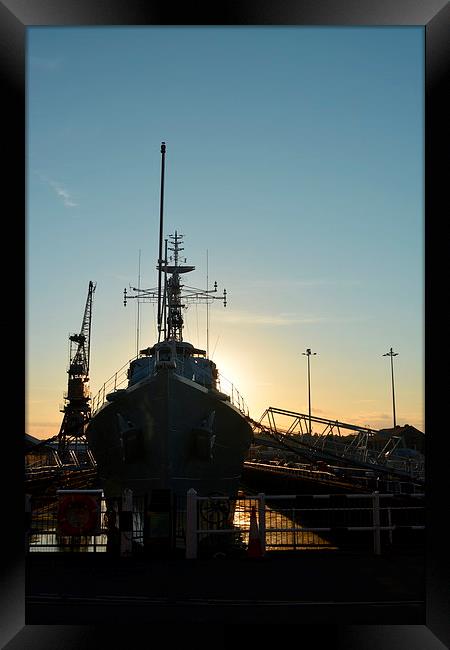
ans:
(77, 409)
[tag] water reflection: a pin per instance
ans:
(45, 537)
(279, 518)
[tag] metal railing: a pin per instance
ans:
(297, 522)
(301, 472)
(336, 475)
(42, 532)
(227, 387)
(119, 380)
(203, 524)
(51, 464)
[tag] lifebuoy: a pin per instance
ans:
(78, 514)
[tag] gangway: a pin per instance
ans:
(290, 430)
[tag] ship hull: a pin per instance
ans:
(168, 432)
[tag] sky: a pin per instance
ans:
(294, 164)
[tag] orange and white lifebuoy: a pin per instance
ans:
(78, 514)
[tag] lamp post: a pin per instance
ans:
(392, 354)
(308, 354)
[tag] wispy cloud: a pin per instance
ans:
(282, 319)
(371, 419)
(59, 190)
(299, 282)
(247, 318)
(63, 194)
(380, 418)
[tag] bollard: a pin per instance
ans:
(191, 524)
(376, 523)
(126, 523)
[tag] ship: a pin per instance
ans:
(172, 426)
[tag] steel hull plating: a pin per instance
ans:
(168, 432)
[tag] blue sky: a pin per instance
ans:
(294, 156)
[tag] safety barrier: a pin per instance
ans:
(47, 531)
(282, 523)
(201, 524)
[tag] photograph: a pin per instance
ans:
(225, 233)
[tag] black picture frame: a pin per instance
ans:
(15, 17)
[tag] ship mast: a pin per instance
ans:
(160, 260)
(170, 295)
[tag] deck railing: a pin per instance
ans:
(119, 380)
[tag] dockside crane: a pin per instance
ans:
(77, 407)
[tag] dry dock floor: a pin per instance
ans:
(302, 587)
